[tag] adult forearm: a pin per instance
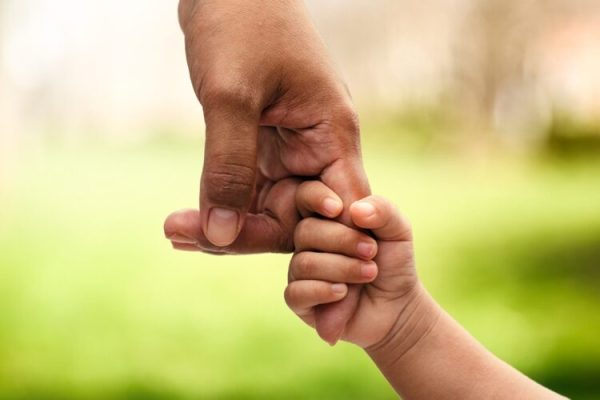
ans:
(446, 362)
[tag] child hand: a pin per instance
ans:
(419, 348)
(330, 255)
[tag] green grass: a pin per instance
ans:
(95, 304)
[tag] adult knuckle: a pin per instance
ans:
(348, 119)
(301, 233)
(230, 183)
(347, 128)
(230, 93)
(285, 242)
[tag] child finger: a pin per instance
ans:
(331, 267)
(302, 296)
(333, 237)
(382, 218)
(314, 197)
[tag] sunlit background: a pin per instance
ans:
(480, 119)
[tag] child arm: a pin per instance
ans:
(419, 348)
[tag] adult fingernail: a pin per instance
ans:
(365, 208)
(365, 249)
(338, 288)
(368, 270)
(332, 206)
(177, 238)
(222, 229)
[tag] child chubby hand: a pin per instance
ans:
(330, 255)
(418, 347)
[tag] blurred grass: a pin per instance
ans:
(94, 303)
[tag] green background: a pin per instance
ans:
(95, 304)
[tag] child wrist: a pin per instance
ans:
(415, 322)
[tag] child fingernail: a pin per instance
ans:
(365, 208)
(332, 206)
(368, 270)
(338, 288)
(365, 249)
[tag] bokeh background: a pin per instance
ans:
(480, 119)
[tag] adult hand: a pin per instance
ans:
(274, 108)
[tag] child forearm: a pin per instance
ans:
(438, 359)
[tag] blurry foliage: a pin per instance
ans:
(413, 131)
(569, 136)
(434, 131)
(95, 305)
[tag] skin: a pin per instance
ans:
(275, 111)
(420, 349)
(274, 108)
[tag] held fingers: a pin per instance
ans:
(331, 267)
(314, 197)
(382, 218)
(333, 237)
(302, 296)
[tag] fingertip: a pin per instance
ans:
(362, 211)
(339, 289)
(332, 207)
(181, 225)
(382, 218)
(316, 197)
(367, 249)
(369, 271)
(223, 226)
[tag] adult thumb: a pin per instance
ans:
(229, 173)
